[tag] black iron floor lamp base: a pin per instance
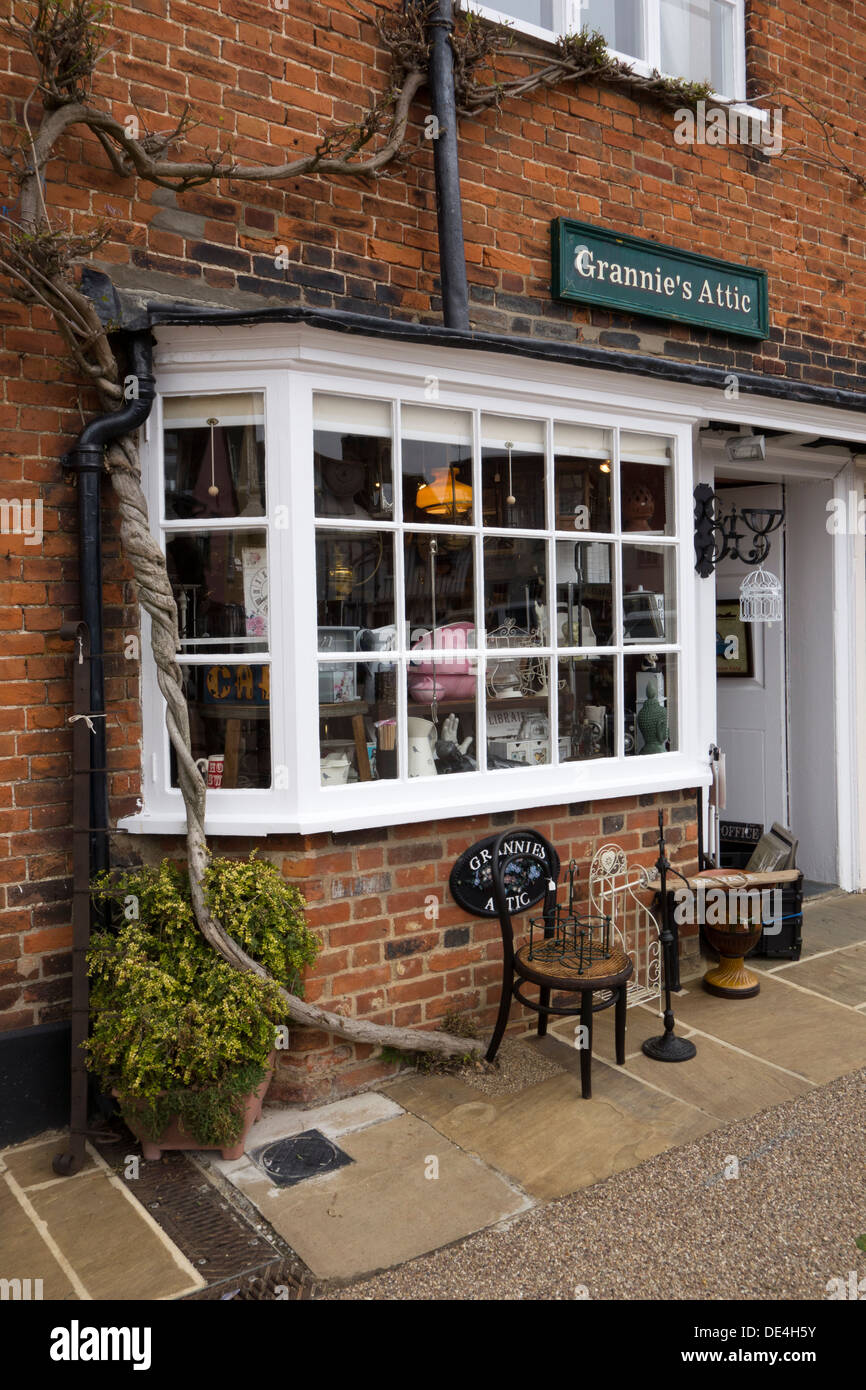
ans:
(667, 1047)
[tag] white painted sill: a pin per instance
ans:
(346, 809)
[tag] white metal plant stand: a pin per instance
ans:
(614, 892)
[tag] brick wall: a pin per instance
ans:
(397, 949)
(273, 81)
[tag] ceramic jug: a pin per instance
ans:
(422, 742)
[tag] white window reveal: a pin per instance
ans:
(699, 40)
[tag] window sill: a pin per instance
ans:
(666, 772)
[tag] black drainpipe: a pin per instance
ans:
(86, 459)
(90, 851)
(449, 210)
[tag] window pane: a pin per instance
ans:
(518, 713)
(587, 708)
(582, 477)
(437, 465)
(649, 593)
(220, 584)
(355, 579)
(584, 594)
(357, 734)
(697, 41)
(646, 482)
(441, 734)
(621, 22)
(230, 730)
(515, 591)
(512, 471)
(214, 456)
(651, 704)
(439, 573)
(538, 12)
(352, 453)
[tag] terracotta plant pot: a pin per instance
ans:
(174, 1137)
(730, 979)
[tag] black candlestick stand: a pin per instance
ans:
(667, 1047)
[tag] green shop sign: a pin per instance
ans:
(594, 266)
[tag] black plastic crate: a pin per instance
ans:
(787, 943)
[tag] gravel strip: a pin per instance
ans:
(676, 1227)
(517, 1067)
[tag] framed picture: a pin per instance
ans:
(735, 652)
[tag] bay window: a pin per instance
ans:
(393, 607)
(699, 40)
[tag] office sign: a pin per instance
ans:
(595, 266)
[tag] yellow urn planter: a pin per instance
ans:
(731, 979)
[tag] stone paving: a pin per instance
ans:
(461, 1172)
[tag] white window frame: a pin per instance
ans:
(287, 364)
(568, 19)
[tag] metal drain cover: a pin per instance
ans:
(302, 1156)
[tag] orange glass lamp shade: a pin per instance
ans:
(444, 496)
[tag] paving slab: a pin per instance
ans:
(547, 1138)
(25, 1254)
(839, 975)
(30, 1164)
(641, 1023)
(722, 1083)
(110, 1243)
(836, 921)
(803, 1033)
(385, 1207)
(682, 1119)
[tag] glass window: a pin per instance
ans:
(584, 594)
(352, 457)
(537, 12)
(220, 584)
(646, 479)
(621, 22)
(581, 477)
(437, 465)
(495, 595)
(587, 708)
(214, 452)
(229, 722)
(512, 471)
(697, 41)
(650, 686)
(214, 472)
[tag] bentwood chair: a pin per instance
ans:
(607, 977)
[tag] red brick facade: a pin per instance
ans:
(397, 949)
(273, 81)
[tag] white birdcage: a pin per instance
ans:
(761, 598)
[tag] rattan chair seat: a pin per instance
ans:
(603, 974)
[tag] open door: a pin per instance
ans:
(751, 698)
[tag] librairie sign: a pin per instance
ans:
(594, 266)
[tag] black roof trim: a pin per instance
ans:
(575, 354)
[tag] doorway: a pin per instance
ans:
(775, 699)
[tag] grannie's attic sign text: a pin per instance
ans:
(595, 266)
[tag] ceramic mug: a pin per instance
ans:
(211, 769)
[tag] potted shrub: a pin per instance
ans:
(183, 1040)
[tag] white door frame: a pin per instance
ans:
(849, 619)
